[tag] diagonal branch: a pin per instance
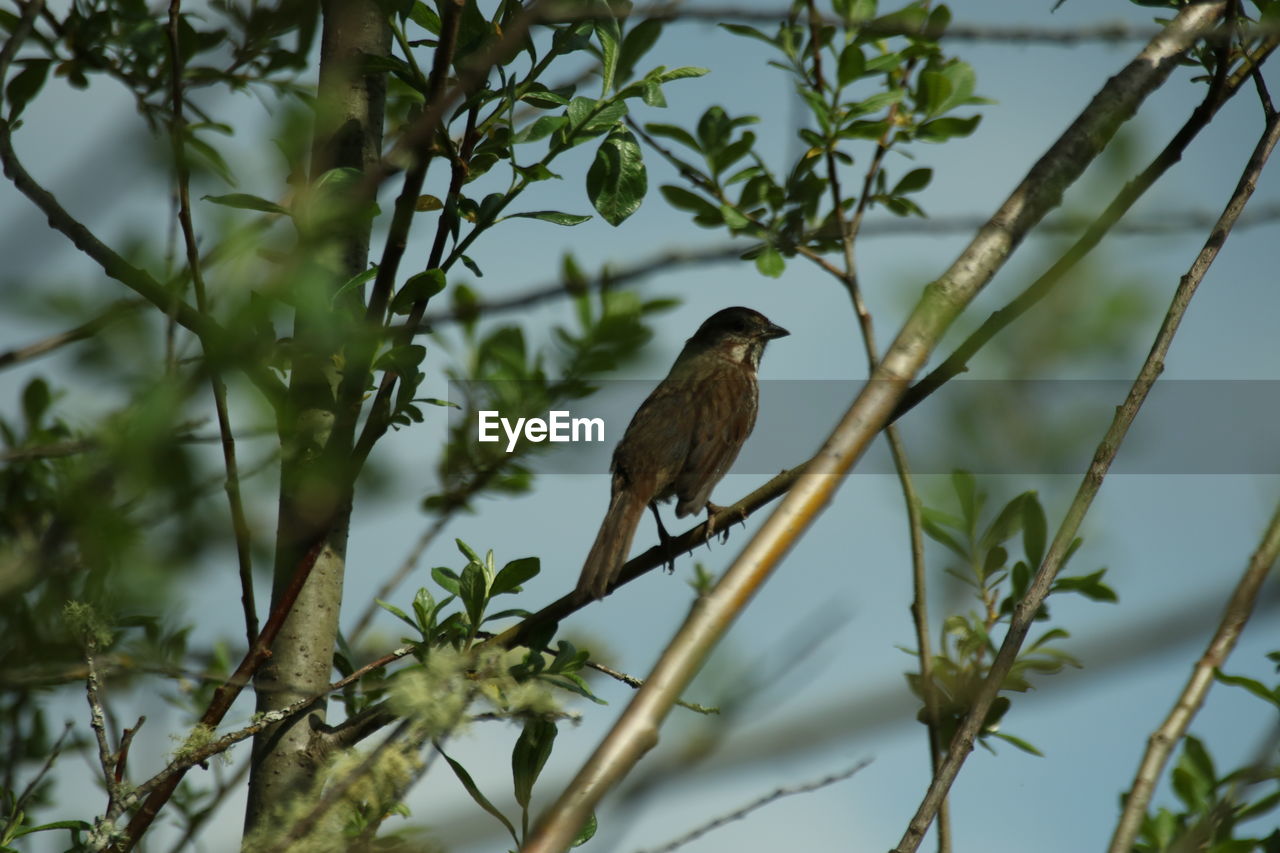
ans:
(1029, 606)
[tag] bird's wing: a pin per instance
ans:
(727, 413)
(658, 439)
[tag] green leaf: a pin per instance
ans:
(352, 283)
(587, 832)
(1090, 586)
(530, 753)
(749, 32)
(1004, 525)
(36, 399)
(770, 263)
(481, 800)
(539, 95)
(463, 548)
(424, 608)
(514, 574)
(653, 96)
(671, 131)
(609, 34)
(553, 216)
(1257, 688)
(913, 181)
(245, 201)
(617, 180)
(404, 359)
(684, 72)
(396, 612)
(420, 287)
(705, 213)
(966, 489)
(446, 578)
(733, 218)
(931, 521)
(25, 85)
(637, 43)
(540, 128)
(473, 591)
(1019, 743)
(1034, 530)
(942, 129)
(425, 17)
(852, 65)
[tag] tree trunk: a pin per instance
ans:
(316, 478)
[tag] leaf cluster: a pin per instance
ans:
(997, 580)
(858, 87)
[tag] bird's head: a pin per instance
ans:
(739, 332)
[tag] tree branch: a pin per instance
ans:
(1162, 741)
(215, 339)
(1029, 606)
(1220, 92)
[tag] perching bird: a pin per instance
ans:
(684, 437)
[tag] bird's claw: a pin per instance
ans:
(714, 513)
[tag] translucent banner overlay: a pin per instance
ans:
(988, 427)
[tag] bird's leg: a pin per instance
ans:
(714, 511)
(664, 538)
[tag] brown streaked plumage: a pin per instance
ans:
(684, 437)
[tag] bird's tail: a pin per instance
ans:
(612, 544)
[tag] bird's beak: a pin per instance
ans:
(772, 331)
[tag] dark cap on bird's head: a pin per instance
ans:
(739, 321)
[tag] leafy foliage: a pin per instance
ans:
(980, 540)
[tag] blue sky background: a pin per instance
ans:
(1173, 543)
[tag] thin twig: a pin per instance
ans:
(30, 11)
(203, 753)
(1163, 740)
(54, 751)
(117, 311)
(767, 799)
(406, 568)
(239, 524)
(97, 719)
(1029, 606)
(122, 754)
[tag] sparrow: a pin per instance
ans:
(683, 438)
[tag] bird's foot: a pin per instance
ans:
(714, 520)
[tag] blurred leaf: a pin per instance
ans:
(553, 216)
(244, 201)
